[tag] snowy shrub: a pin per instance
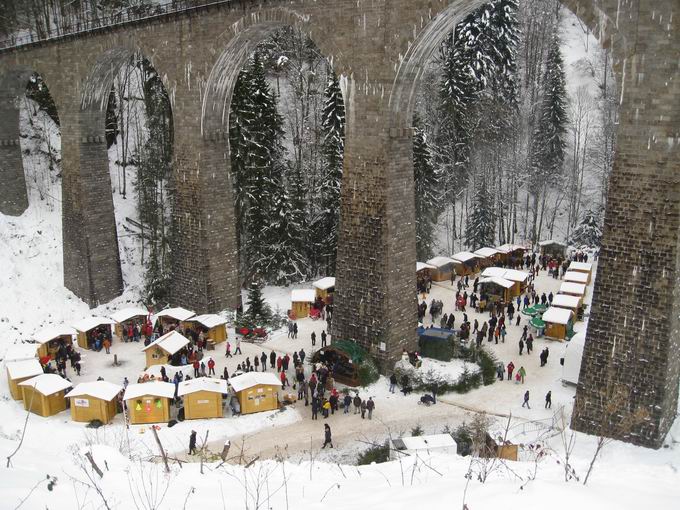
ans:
(368, 372)
(377, 454)
(417, 431)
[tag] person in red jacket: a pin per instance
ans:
(196, 366)
(511, 367)
(284, 380)
(211, 366)
(279, 363)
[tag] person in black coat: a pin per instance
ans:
(327, 436)
(192, 443)
(272, 359)
(263, 358)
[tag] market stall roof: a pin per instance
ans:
(170, 370)
(494, 271)
(464, 256)
(422, 265)
(170, 342)
(47, 384)
(52, 332)
(303, 295)
(179, 314)
(508, 247)
(576, 276)
(325, 283)
(103, 390)
(24, 368)
(580, 266)
(425, 442)
(153, 388)
(498, 281)
(486, 252)
(250, 379)
(128, 313)
(572, 288)
(548, 242)
(566, 301)
(202, 384)
(18, 352)
(557, 315)
(209, 320)
(515, 276)
(440, 261)
(91, 323)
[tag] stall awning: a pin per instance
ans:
(507, 284)
(556, 315)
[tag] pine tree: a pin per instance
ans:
(426, 184)
(481, 227)
(588, 233)
(258, 312)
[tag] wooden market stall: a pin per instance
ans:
(123, 317)
(20, 352)
(149, 402)
(203, 397)
(96, 400)
(559, 323)
(576, 277)
(487, 256)
(466, 263)
(573, 289)
(44, 394)
(510, 253)
(572, 303)
(173, 316)
(302, 301)
(162, 350)
(582, 267)
(552, 248)
(213, 326)
(52, 338)
(256, 391)
(325, 287)
(496, 288)
(443, 267)
(89, 328)
(20, 371)
(520, 280)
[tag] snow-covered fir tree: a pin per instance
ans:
(588, 232)
(481, 227)
(258, 312)
(427, 195)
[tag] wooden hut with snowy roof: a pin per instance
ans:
(149, 402)
(573, 289)
(572, 303)
(509, 251)
(302, 301)
(324, 287)
(20, 371)
(465, 263)
(203, 397)
(487, 256)
(161, 351)
(496, 288)
(256, 391)
(213, 326)
(86, 327)
(559, 323)
(96, 400)
(44, 394)
(520, 279)
(582, 267)
(173, 316)
(552, 248)
(122, 318)
(51, 339)
(576, 277)
(443, 268)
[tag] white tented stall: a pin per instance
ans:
(573, 354)
(423, 445)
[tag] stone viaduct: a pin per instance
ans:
(379, 46)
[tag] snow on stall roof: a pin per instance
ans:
(498, 281)
(180, 314)
(557, 315)
(91, 323)
(464, 256)
(573, 288)
(515, 275)
(493, 271)
(52, 332)
(103, 390)
(24, 368)
(153, 388)
(548, 242)
(422, 265)
(209, 320)
(202, 384)
(241, 382)
(566, 301)
(508, 247)
(580, 266)
(576, 276)
(427, 442)
(18, 352)
(170, 342)
(128, 313)
(486, 252)
(303, 295)
(325, 283)
(47, 384)
(440, 261)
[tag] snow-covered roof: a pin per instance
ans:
(557, 315)
(422, 265)
(153, 388)
(170, 342)
(325, 283)
(47, 384)
(179, 314)
(548, 242)
(576, 276)
(566, 301)
(17, 352)
(493, 271)
(486, 252)
(103, 390)
(498, 281)
(303, 295)
(202, 384)
(573, 288)
(440, 261)
(91, 323)
(580, 266)
(24, 368)
(52, 332)
(428, 442)
(515, 275)
(464, 256)
(508, 247)
(128, 313)
(250, 379)
(209, 320)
